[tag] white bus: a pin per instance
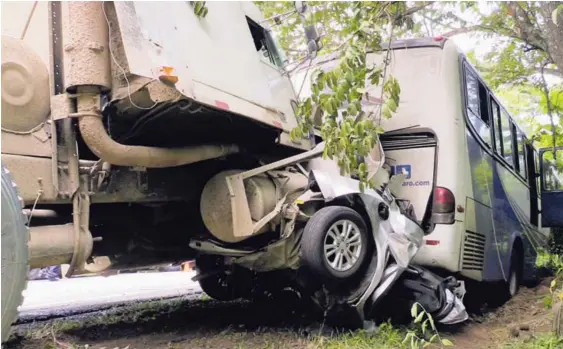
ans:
(473, 178)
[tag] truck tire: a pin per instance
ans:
(15, 236)
(335, 243)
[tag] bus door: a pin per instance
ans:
(551, 170)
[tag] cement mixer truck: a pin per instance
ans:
(137, 133)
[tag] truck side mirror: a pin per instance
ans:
(313, 39)
(311, 34)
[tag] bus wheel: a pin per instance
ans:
(515, 274)
(14, 252)
(508, 289)
(335, 243)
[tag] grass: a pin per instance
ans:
(542, 342)
(386, 336)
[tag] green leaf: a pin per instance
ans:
(419, 318)
(392, 105)
(198, 6)
(407, 337)
(433, 338)
(447, 343)
(352, 109)
(414, 310)
(555, 14)
(386, 112)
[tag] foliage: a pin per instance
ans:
(335, 21)
(386, 337)
(525, 43)
(541, 342)
(424, 336)
(528, 24)
(200, 9)
(353, 29)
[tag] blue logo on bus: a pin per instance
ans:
(400, 169)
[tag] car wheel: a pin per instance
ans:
(335, 243)
(15, 236)
(219, 287)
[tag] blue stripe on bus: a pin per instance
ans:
(508, 222)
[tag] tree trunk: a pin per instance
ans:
(553, 33)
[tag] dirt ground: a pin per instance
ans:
(521, 319)
(209, 324)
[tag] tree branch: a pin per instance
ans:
(549, 107)
(554, 72)
(415, 9)
(459, 31)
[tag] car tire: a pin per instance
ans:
(335, 244)
(219, 287)
(15, 236)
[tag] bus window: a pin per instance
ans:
(506, 128)
(520, 156)
(477, 109)
(472, 85)
(495, 119)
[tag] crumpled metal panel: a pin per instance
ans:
(397, 236)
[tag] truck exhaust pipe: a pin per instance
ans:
(101, 144)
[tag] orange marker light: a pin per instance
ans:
(166, 74)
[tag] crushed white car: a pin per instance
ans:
(344, 248)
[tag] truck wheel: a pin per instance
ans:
(335, 243)
(14, 252)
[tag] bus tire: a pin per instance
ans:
(515, 274)
(319, 233)
(505, 290)
(15, 236)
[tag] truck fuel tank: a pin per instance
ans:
(262, 192)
